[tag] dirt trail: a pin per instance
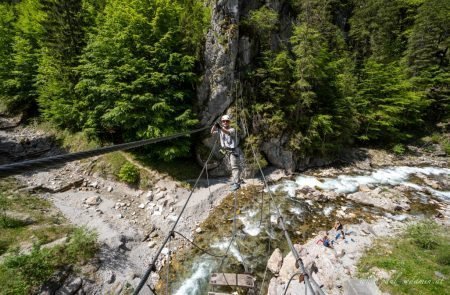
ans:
(131, 223)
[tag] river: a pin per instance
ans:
(257, 232)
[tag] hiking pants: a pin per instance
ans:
(237, 163)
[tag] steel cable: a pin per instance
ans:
(198, 247)
(152, 266)
(26, 166)
(299, 261)
(168, 266)
(289, 282)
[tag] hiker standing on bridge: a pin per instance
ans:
(229, 142)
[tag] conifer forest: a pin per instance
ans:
(339, 73)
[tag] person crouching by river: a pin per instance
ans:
(229, 141)
(338, 227)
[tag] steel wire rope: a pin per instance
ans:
(152, 266)
(26, 166)
(208, 184)
(298, 260)
(269, 250)
(289, 282)
(233, 236)
(198, 247)
(240, 160)
(168, 266)
(281, 219)
(245, 127)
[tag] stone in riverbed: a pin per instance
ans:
(275, 261)
(71, 286)
(93, 200)
(388, 199)
(148, 197)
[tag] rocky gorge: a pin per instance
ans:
(375, 193)
(373, 196)
(371, 202)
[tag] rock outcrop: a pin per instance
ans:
(221, 48)
(275, 261)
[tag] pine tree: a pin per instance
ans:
(378, 28)
(136, 77)
(19, 78)
(390, 110)
(7, 32)
(62, 44)
(428, 56)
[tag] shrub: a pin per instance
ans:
(436, 137)
(82, 245)
(4, 245)
(444, 258)
(129, 173)
(399, 149)
(424, 234)
(35, 267)
(446, 146)
(9, 222)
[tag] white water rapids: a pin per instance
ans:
(341, 184)
(350, 183)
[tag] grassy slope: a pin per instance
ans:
(22, 272)
(412, 260)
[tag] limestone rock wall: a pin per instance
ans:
(215, 90)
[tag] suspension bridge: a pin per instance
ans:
(217, 278)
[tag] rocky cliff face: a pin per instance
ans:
(216, 88)
(229, 52)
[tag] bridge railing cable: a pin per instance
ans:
(48, 162)
(152, 265)
(299, 262)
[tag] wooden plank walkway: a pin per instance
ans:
(232, 279)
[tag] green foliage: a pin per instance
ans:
(18, 89)
(399, 149)
(389, 108)
(7, 19)
(81, 246)
(24, 273)
(136, 79)
(306, 93)
(428, 56)
(194, 19)
(422, 234)
(263, 21)
(33, 269)
(327, 74)
(412, 259)
(71, 141)
(379, 28)
(62, 45)
(443, 258)
(9, 222)
(129, 173)
(447, 147)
